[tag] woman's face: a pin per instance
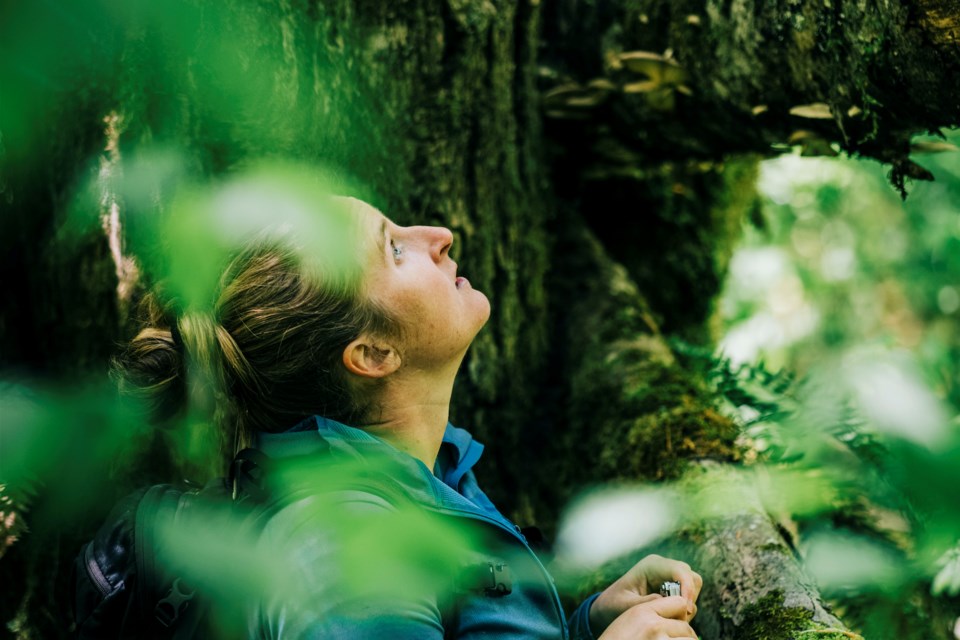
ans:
(410, 273)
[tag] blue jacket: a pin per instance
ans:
(379, 597)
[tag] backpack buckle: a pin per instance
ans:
(501, 582)
(490, 577)
(173, 604)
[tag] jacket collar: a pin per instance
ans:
(459, 452)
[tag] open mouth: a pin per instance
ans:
(460, 281)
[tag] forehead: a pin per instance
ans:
(365, 215)
(370, 224)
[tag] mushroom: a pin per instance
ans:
(665, 77)
(603, 84)
(572, 95)
(660, 69)
(934, 146)
(644, 86)
(561, 91)
(816, 110)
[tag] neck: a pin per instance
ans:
(414, 409)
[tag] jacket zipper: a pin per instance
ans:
(558, 607)
(96, 575)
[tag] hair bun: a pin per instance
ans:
(151, 368)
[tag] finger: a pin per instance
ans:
(660, 569)
(688, 587)
(631, 599)
(687, 590)
(673, 607)
(690, 583)
(677, 629)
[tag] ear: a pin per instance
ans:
(370, 358)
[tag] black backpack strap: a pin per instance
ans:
(174, 610)
(145, 550)
(248, 473)
(165, 599)
(105, 572)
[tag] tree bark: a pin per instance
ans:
(882, 70)
(756, 589)
(456, 114)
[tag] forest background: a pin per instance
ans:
(751, 342)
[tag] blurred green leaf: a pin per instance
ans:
(65, 440)
(611, 522)
(947, 580)
(842, 561)
(852, 291)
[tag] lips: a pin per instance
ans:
(460, 281)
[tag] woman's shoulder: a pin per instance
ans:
(327, 511)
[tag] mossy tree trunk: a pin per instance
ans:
(478, 115)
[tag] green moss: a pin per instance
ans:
(768, 619)
(633, 405)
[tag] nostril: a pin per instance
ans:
(444, 240)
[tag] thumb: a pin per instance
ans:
(673, 607)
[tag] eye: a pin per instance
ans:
(396, 249)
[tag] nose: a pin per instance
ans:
(438, 240)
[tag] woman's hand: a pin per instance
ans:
(657, 618)
(641, 586)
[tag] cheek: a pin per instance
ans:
(423, 313)
(429, 307)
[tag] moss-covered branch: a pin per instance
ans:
(633, 412)
(757, 76)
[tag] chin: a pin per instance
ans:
(485, 315)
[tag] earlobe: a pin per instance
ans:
(370, 359)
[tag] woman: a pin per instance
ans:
(358, 364)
